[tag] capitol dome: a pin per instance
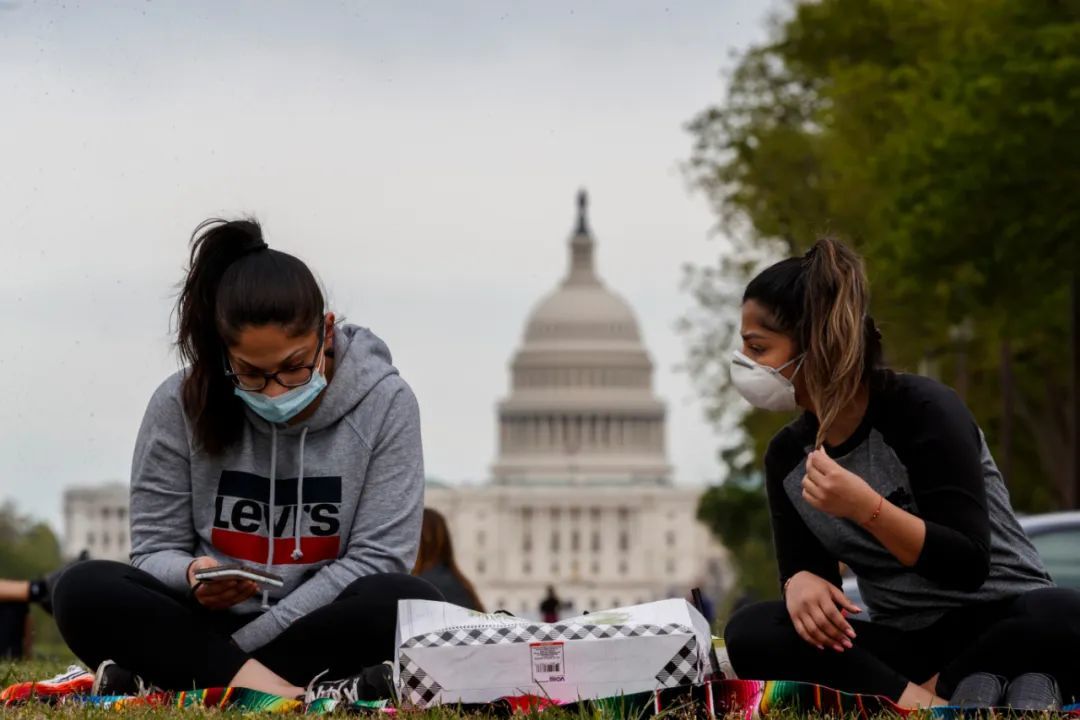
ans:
(582, 313)
(581, 407)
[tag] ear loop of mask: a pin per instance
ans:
(800, 357)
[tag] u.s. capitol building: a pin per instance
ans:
(581, 496)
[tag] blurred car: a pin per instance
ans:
(1055, 535)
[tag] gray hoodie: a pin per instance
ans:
(356, 464)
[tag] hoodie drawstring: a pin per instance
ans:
(270, 515)
(297, 553)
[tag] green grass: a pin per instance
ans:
(37, 669)
(20, 671)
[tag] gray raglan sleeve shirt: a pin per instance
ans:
(162, 529)
(385, 533)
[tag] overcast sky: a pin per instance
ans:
(422, 157)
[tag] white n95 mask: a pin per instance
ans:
(763, 386)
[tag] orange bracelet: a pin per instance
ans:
(881, 501)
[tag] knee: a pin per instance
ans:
(81, 584)
(1069, 600)
(1057, 604)
(1065, 608)
(754, 626)
(410, 587)
(86, 578)
(393, 587)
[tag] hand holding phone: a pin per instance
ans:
(238, 572)
(218, 593)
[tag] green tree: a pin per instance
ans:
(737, 513)
(28, 548)
(940, 139)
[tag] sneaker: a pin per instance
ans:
(371, 683)
(75, 680)
(978, 690)
(111, 679)
(1034, 692)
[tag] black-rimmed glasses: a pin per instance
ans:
(288, 378)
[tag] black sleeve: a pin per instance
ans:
(941, 447)
(797, 548)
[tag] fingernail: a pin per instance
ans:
(851, 633)
(838, 649)
(847, 644)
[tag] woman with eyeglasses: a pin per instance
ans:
(289, 445)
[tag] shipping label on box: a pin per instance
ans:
(447, 654)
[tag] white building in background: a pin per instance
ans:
(581, 496)
(96, 520)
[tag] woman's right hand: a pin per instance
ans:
(812, 604)
(218, 594)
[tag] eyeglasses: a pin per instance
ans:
(293, 377)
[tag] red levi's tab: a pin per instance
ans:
(254, 548)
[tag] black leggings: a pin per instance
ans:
(111, 611)
(1038, 631)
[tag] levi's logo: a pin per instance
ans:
(243, 518)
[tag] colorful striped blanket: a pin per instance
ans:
(750, 699)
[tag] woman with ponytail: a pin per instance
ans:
(889, 474)
(287, 444)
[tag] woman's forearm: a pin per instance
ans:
(902, 533)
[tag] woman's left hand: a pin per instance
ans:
(830, 488)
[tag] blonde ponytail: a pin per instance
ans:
(834, 329)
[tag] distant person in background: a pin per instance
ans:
(745, 599)
(26, 591)
(38, 590)
(436, 563)
(16, 630)
(550, 606)
(707, 607)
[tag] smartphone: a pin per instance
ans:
(239, 572)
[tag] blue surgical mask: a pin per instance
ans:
(284, 407)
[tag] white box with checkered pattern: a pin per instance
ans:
(448, 655)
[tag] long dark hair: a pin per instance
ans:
(821, 300)
(234, 279)
(436, 548)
